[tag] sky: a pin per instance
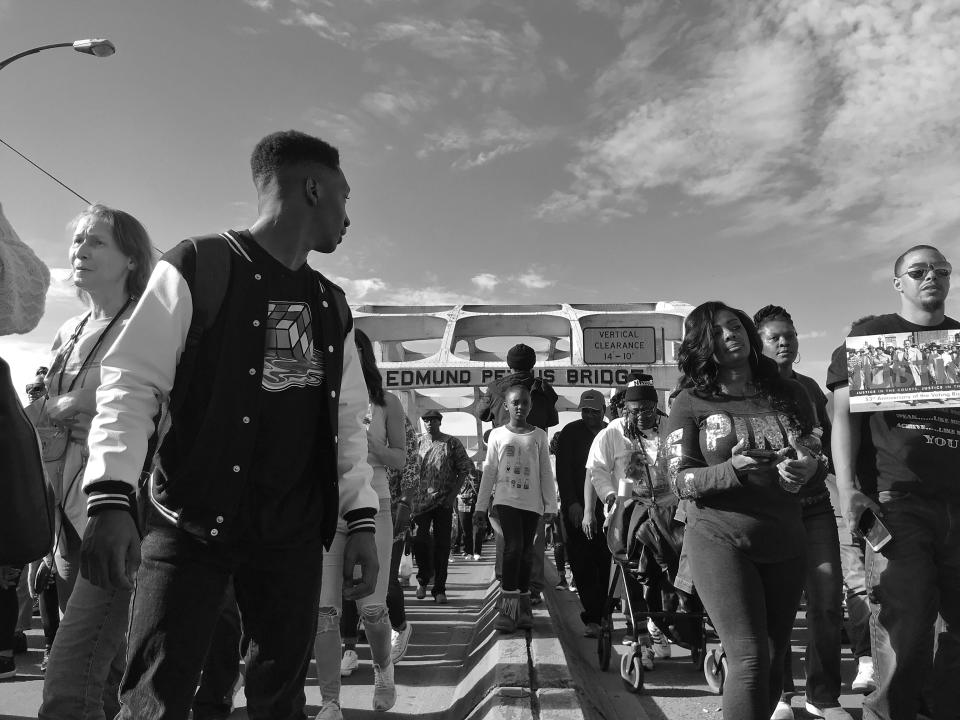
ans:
(512, 151)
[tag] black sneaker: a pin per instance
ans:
(19, 642)
(535, 597)
(8, 668)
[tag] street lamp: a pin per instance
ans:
(98, 47)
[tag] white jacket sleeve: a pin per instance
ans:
(491, 467)
(601, 463)
(136, 376)
(548, 483)
(359, 503)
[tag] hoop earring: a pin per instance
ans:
(797, 360)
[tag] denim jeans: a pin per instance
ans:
(911, 580)
(823, 588)
(372, 608)
(221, 669)
(752, 605)
(178, 597)
(854, 579)
(87, 657)
(433, 555)
(518, 528)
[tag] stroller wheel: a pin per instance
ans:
(605, 642)
(631, 671)
(715, 670)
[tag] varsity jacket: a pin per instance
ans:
(205, 454)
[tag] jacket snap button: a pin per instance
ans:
(236, 468)
(325, 304)
(253, 371)
(256, 323)
(220, 519)
(214, 532)
(330, 348)
(256, 276)
(333, 393)
(246, 420)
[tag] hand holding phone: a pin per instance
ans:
(873, 531)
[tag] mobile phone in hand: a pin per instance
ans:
(874, 531)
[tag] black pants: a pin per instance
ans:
(590, 562)
(433, 554)
(215, 694)
(519, 527)
(9, 610)
(472, 536)
(178, 598)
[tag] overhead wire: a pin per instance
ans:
(49, 175)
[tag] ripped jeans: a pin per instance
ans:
(373, 608)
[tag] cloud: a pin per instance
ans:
(812, 335)
(397, 105)
(834, 116)
(610, 8)
(61, 286)
(534, 280)
(494, 134)
(338, 32)
(502, 61)
(342, 129)
(358, 290)
(263, 5)
(485, 281)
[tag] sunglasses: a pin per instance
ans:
(916, 272)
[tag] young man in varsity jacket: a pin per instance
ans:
(265, 449)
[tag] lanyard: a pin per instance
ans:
(74, 339)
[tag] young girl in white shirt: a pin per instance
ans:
(518, 471)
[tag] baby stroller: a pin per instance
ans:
(645, 543)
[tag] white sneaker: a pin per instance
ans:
(864, 682)
(329, 710)
(398, 643)
(661, 646)
(384, 690)
(783, 711)
(348, 663)
(646, 657)
(476, 556)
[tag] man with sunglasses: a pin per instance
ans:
(902, 466)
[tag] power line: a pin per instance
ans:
(52, 177)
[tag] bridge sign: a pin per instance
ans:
(613, 345)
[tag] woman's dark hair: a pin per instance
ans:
(371, 373)
(771, 312)
(699, 369)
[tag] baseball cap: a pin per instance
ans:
(431, 414)
(592, 399)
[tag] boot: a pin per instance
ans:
(506, 621)
(524, 612)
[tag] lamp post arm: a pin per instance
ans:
(31, 52)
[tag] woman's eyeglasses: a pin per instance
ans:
(918, 271)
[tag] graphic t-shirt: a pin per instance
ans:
(284, 489)
(750, 511)
(518, 472)
(914, 451)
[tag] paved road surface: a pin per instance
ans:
(674, 690)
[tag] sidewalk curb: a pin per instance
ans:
(522, 676)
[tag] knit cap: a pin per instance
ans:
(24, 280)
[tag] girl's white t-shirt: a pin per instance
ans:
(517, 472)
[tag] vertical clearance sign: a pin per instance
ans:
(615, 345)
